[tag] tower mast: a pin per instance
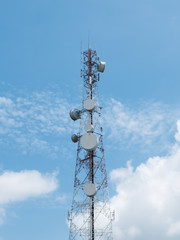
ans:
(90, 217)
(91, 152)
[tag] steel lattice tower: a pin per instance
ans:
(90, 217)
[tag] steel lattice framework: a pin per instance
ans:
(90, 218)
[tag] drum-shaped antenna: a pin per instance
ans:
(101, 66)
(75, 114)
(74, 138)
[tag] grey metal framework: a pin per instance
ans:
(90, 218)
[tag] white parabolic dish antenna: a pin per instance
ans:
(90, 189)
(89, 104)
(89, 141)
(88, 127)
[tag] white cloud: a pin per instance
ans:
(133, 232)
(5, 102)
(147, 124)
(177, 135)
(174, 229)
(17, 186)
(20, 186)
(35, 121)
(147, 199)
(61, 198)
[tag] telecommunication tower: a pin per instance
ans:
(90, 217)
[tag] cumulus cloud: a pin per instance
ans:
(174, 229)
(177, 135)
(147, 198)
(20, 186)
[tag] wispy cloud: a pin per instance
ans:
(35, 121)
(148, 124)
(147, 198)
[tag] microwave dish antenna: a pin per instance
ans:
(75, 114)
(101, 67)
(89, 141)
(89, 104)
(74, 138)
(89, 128)
(90, 189)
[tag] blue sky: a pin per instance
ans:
(40, 82)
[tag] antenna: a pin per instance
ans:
(90, 217)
